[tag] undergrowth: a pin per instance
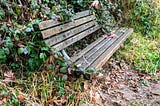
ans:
(44, 87)
(143, 53)
(142, 50)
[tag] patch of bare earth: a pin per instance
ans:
(121, 86)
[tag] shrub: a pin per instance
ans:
(144, 17)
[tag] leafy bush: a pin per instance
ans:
(143, 50)
(144, 17)
(21, 48)
(142, 53)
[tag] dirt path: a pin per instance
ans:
(122, 86)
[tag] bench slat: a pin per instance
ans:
(95, 56)
(52, 31)
(88, 48)
(85, 50)
(109, 52)
(96, 51)
(76, 38)
(63, 36)
(51, 23)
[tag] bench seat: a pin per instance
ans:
(60, 35)
(97, 53)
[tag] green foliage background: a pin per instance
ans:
(143, 51)
(21, 48)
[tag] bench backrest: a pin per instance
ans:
(60, 35)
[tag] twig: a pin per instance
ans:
(1, 40)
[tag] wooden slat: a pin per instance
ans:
(109, 52)
(95, 48)
(78, 37)
(93, 57)
(52, 31)
(85, 50)
(93, 54)
(89, 47)
(62, 36)
(50, 23)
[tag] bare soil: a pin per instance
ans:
(119, 85)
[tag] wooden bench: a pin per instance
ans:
(60, 35)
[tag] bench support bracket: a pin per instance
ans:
(65, 55)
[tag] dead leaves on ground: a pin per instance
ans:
(21, 97)
(57, 102)
(121, 86)
(118, 86)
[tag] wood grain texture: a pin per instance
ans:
(85, 50)
(109, 52)
(75, 38)
(95, 52)
(51, 23)
(88, 48)
(55, 30)
(63, 36)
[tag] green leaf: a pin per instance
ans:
(2, 13)
(6, 50)
(17, 32)
(46, 48)
(20, 26)
(22, 50)
(8, 42)
(28, 29)
(2, 54)
(62, 63)
(43, 56)
(60, 84)
(15, 101)
(61, 91)
(14, 65)
(63, 70)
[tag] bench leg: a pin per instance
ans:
(65, 55)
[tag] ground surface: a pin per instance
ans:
(121, 86)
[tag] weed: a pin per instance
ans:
(144, 17)
(143, 53)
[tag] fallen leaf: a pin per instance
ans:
(96, 4)
(51, 59)
(50, 101)
(112, 36)
(60, 102)
(105, 36)
(9, 75)
(1, 102)
(109, 36)
(20, 97)
(99, 76)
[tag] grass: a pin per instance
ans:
(143, 52)
(44, 87)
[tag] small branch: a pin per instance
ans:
(1, 40)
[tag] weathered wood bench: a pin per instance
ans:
(60, 35)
